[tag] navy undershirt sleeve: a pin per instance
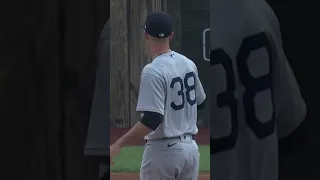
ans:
(151, 119)
(296, 140)
(202, 105)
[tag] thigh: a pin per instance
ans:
(145, 169)
(191, 170)
(163, 163)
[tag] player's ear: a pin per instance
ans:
(171, 36)
(146, 36)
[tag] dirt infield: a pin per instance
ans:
(135, 176)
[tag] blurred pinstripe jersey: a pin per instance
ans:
(257, 98)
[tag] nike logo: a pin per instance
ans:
(169, 145)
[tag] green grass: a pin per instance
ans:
(129, 159)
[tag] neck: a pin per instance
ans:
(159, 49)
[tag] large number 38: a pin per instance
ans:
(184, 84)
(253, 85)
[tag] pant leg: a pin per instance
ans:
(145, 169)
(191, 171)
(160, 162)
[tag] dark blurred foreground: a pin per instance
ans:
(47, 72)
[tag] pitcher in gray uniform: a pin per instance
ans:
(170, 95)
(256, 98)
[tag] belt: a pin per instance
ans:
(179, 137)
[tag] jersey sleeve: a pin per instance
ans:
(290, 106)
(200, 94)
(151, 94)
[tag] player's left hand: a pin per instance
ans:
(114, 150)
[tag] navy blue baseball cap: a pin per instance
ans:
(158, 24)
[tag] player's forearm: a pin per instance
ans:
(136, 133)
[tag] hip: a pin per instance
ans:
(180, 143)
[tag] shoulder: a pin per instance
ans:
(153, 69)
(151, 78)
(178, 55)
(185, 58)
(190, 62)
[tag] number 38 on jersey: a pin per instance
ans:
(253, 86)
(186, 86)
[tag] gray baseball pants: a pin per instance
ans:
(170, 159)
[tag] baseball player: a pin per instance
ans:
(170, 95)
(256, 97)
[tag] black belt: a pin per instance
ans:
(179, 137)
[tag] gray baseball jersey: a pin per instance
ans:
(257, 98)
(170, 86)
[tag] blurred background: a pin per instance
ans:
(54, 55)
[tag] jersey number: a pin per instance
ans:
(184, 84)
(253, 85)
